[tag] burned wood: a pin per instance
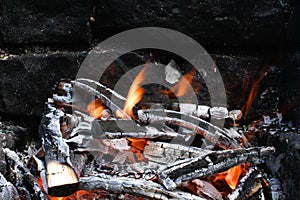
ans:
(23, 174)
(201, 111)
(211, 163)
(113, 129)
(65, 93)
(215, 137)
(253, 182)
(203, 188)
(132, 186)
(61, 178)
(82, 89)
(164, 153)
(103, 87)
(204, 124)
(7, 190)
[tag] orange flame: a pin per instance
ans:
(182, 87)
(96, 108)
(135, 93)
(231, 176)
(137, 147)
(254, 90)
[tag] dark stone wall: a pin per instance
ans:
(43, 41)
(228, 22)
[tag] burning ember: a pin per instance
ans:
(231, 176)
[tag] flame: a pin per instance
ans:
(183, 86)
(231, 176)
(96, 108)
(254, 90)
(137, 143)
(135, 93)
(137, 146)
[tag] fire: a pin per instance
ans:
(231, 176)
(135, 93)
(182, 87)
(96, 108)
(137, 147)
(254, 90)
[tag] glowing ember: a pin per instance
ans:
(182, 87)
(96, 108)
(137, 147)
(137, 143)
(231, 176)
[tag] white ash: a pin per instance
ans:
(172, 75)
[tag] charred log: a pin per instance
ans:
(61, 178)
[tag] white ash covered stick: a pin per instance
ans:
(24, 173)
(164, 153)
(61, 177)
(7, 189)
(209, 126)
(216, 137)
(209, 112)
(151, 133)
(82, 88)
(139, 187)
(201, 111)
(253, 182)
(210, 163)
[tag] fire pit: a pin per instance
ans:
(99, 150)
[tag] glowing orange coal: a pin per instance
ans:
(183, 86)
(231, 176)
(96, 108)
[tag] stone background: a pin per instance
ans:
(43, 41)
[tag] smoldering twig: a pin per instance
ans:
(24, 173)
(215, 137)
(81, 87)
(132, 186)
(210, 163)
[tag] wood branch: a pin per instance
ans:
(132, 186)
(164, 153)
(201, 111)
(211, 163)
(253, 182)
(86, 90)
(191, 118)
(23, 173)
(196, 110)
(217, 137)
(7, 190)
(61, 177)
(117, 95)
(86, 126)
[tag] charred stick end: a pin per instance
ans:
(62, 179)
